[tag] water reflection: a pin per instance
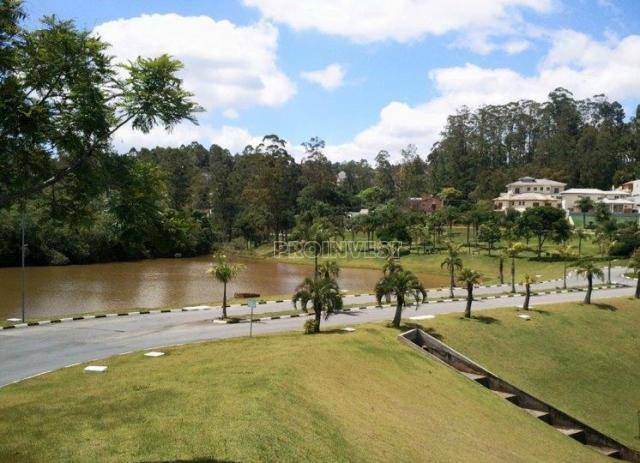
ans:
(155, 283)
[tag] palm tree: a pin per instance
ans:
(314, 236)
(469, 278)
(608, 245)
(512, 251)
(527, 282)
(329, 269)
(501, 257)
(581, 234)
(565, 252)
(419, 234)
(634, 264)
(587, 268)
(224, 272)
(585, 204)
(324, 294)
(452, 262)
(403, 284)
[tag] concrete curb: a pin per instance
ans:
(276, 317)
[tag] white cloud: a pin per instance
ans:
(367, 21)
(230, 113)
(329, 78)
(575, 61)
(516, 46)
(233, 138)
(225, 65)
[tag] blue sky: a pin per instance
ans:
(398, 67)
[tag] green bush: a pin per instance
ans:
(309, 326)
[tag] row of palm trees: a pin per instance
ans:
(323, 291)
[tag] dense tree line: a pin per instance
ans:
(62, 99)
(168, 201)
(585, 143)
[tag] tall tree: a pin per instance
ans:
(589, 269)
(452, 263)
(324, 295)
(566, 253)
(403, 284)
(512, 251)
(634, 264)
(63, 99)
(469, 278)
(527, 282)
(545, 222)
(224, 272)
(585, 204)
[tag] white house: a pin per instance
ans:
(633, 188)
(354, 214)
(616, 200)
(529, 192)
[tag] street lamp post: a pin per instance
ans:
(22, 262)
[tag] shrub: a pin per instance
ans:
(309, 326)
(239, 244)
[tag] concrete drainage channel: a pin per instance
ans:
(426, 344)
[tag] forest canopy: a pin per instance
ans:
(62, 99)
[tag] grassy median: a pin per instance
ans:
(582, 359)
(332, 397)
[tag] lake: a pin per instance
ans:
(66, 290)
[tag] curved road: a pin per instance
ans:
(35, 350)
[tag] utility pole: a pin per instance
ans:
(22, 258)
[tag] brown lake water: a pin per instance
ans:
(153, 283)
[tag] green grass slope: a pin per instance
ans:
(332, 397)
(582, 359)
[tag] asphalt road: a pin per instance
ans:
(31, 351)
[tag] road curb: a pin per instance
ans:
(276, 317)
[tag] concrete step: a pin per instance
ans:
(607, 451)
(537, 413)
(575, 433)
(474, 376)
(506, 395)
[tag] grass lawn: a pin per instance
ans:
(331, 397)
(621, 219)
(428, 265)
(582, 359)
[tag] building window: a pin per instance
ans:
(556, 190)
(536, 204)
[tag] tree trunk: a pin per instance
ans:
(468, 242)
(467, 310)
(638, 287)
(398, 315)
(609, 273)
(318, 315)
(501, 267)
(451, 283)
(527, 296)
(564, 276)
(224, 300)
(315, 265)
(539, 248)
(584, 220)
(587, 296)
(579, 246)
(513, 274)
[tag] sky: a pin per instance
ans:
(363, 75)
